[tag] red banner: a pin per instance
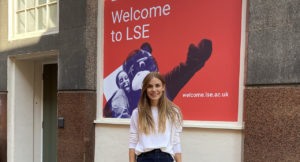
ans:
(194, 44)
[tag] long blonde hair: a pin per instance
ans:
(166, 109)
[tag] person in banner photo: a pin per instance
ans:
(119, 104)
(139, 63)
(155, 125)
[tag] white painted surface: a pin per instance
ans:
(20, 113)
(38, 112)
(198, 145)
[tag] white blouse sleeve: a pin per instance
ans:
(176, 138)
(133, 138)
(176, 141)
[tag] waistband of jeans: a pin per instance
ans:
(152, 151)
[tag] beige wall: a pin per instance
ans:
(207, 145)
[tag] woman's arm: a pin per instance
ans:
(133, 138)
(176, 140)
(132, 157)
(178, 157)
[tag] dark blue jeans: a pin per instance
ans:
(155, 156)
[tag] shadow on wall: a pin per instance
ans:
(24, 47)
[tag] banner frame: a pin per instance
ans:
(238, 125)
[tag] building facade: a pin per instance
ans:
(50, 68)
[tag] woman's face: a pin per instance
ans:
(123, 81)
(155, 90)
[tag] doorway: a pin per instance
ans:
(32, 108)
(50, 113)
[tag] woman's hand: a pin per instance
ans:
(132, 155)
(178, 157)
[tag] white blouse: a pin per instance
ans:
(169, 141)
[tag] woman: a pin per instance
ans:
(155, 125)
